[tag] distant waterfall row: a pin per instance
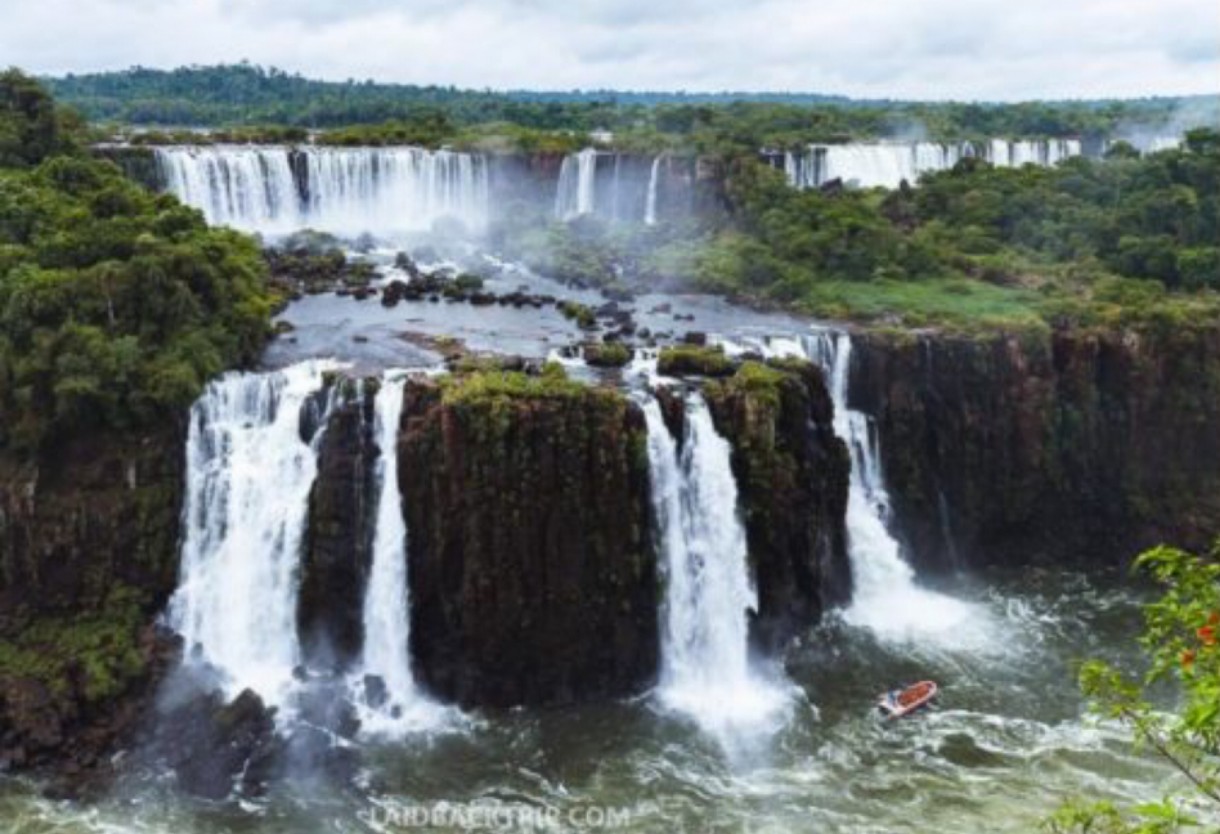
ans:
(278, 189)
(618, 187)
(887, 164)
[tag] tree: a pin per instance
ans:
(1182, 642)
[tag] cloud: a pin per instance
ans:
(966, 49)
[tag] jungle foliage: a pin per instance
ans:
(115, 304)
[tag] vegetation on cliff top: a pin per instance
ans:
(482, 386)
(115, 304)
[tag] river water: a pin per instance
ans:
(1007, 741)
(1005, 744)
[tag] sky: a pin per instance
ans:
(924, 49)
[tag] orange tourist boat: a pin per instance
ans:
(905, 701)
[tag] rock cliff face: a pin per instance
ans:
(88, 555)
(532, 572)
(337, 557)
(792, 475)
(1074, 447)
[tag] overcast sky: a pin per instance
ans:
(966, 49)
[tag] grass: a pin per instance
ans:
(956, 303)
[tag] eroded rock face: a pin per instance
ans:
(1076, 447)
(339, 535)
(88, 555)
(533, 576)
(792, 476)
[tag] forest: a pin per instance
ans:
(116, 304)
(227, 96)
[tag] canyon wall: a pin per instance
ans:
(1074, 447)
(88, 556)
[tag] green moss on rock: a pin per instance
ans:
(695, 360)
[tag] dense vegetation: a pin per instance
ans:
(1091, 242)
(245, 95)
(1054, 241)
(115, 304)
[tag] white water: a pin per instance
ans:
(577, 184)
(705, 665)
(650, 206)
(248, 479)
(386, 614)
(384, 191)
(887, 164)
(885, 596)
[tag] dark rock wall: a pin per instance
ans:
(339, 533)
(1074, 447)
(533, 578)
(792, 477)
(88, 555)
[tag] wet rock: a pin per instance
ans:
(792, 473)
(1073, 446)
(695, 337)
(338, 544)
(394, 292)
(533, 575)
(375, 692)
(210, 745)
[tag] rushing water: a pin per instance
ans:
(705, 669)
(577, 179)
(277, 189)
(650, 205)
(885, 596)
(1004, 746)
(386, 620)
(723, 744)
(887, 164)
(249, 472)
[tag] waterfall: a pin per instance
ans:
(887, 164)
(705, 667)
(577, 184)
(650, 206)
(246, 187)
(249, 471)
(386, 615)
(278, 189)
(885, 596)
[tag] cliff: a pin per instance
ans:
(533, 576)
(88, 555)
(1075, 446)
(337, 553)
(792, 475)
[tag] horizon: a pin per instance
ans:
(831, 97)
(951, 50)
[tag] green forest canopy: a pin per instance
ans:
(116, 305)
(244, 94)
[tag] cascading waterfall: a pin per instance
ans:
(386, 615)
(277, 189)
(887, 164)
(577, 183)
(705, 669)
(885, 596)
(650, 205)
(249, 472)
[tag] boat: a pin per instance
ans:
(900, 702)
